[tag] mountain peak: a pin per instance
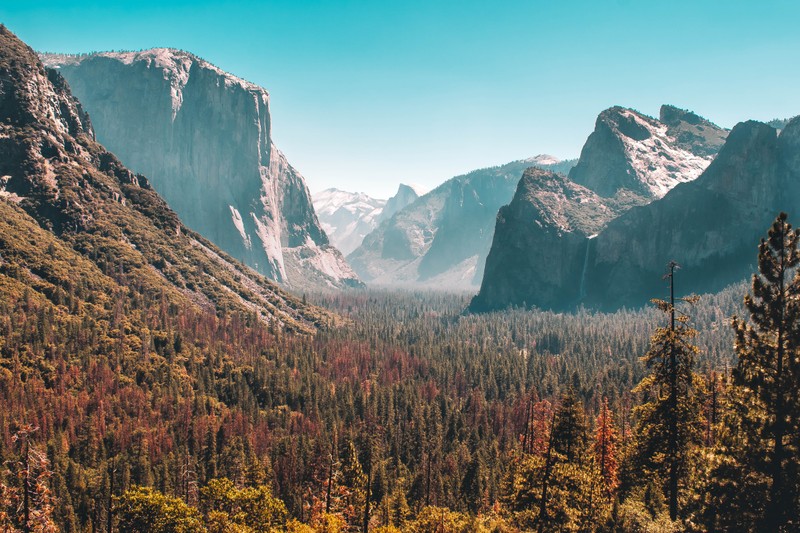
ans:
(671, 115)
(404, 187)
(632, 151)
(692, 132)
(405, 195)
(543, 160)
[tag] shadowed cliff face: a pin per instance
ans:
(711, 226)
(203, 138)
(541, 244)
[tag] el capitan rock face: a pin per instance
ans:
(202, 136)
(74, 218)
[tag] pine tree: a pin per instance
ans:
(32, 499)
(570, 433)
(605, 449)
(669, 425)
(756, 476)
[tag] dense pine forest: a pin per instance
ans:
(126, 413)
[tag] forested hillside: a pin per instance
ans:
(411, 415)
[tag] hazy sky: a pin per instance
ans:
(368, 94)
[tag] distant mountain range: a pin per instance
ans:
(441, 239)
(80, 230)
(203, 138)
(707, 212)
(596, 231)
(347, 217)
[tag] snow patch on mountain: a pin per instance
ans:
(660, 164)
(543, 160)
(348, 217)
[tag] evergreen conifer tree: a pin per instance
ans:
(755, 477)
(670, 418)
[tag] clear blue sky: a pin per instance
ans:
(368, 94)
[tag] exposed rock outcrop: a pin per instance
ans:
(203, 138)
(405, 195)
(631, 151)
(542, 242)
(75, 219)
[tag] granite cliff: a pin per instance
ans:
(79, 229)
(203, 138)
(629, 150)
(549, 239)
(710, 226)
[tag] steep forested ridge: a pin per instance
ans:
(110, 221)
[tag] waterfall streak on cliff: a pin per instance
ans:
(585, 268)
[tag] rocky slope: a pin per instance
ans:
(629, 160)
(202, 136)
(629, 150)
(711, 226)
(347, 217)
(441, 240)
(79, 227)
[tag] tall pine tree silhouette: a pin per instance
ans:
(669, 425)
(766, 378)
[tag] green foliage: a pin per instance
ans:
(248, 509)
(143, 510)
(754, 479)
(645, 511)
(432, 519)
(669, 425)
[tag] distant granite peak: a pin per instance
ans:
(441, 239)
(348, 217)
(405, 195)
